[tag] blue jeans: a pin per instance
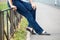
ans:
(25, 9)
(30, 9)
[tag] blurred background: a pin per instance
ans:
(47, 16)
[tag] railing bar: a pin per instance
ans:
(15, 19)
(4, 30)
(16, 14)
(12, 26)
(2, 27)
(7, 28)
(6, 9)
(3, 24)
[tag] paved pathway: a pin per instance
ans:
(44, 37)
(48, 18)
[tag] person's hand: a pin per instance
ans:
(14, 7)
(33, 5)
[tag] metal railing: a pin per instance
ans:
(9, 20)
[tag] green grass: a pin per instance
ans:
(20, 34)
(3, 5)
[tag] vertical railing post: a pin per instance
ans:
(8, 29)
(1, 26)
(11, 26)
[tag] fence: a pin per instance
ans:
(9, 20)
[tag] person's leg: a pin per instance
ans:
(33, 12)
(22, 10)
(28, 6)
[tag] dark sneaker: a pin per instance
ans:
(30, 30)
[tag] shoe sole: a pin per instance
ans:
(44, 34)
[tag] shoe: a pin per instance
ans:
(30, 30)
(44, 33)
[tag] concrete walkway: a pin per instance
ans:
(44, 37)
(48, 18)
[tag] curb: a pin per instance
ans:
(28, 35)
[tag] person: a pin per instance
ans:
(28, 10)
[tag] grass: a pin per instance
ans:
(21, 33)
(3, 5)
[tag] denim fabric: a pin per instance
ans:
(24, 10)
(29, 8)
